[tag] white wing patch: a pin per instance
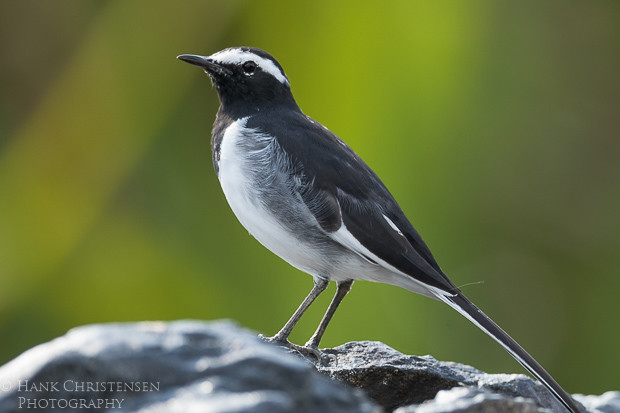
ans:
(393, 225)
(344, 237)
(238, 56)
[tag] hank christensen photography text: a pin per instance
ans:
(74, 394)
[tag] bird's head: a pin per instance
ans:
(245, 76)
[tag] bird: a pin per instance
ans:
(305, 195)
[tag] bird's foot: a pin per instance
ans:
(322, 358)
(308, 352)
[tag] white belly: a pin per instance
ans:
(238, 185)
(335, 256)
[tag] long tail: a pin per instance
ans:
(461, 304)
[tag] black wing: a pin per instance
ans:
(345, 190)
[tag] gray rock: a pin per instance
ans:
(191, 366)
(183, 366)
(394, 379)
(608, 402)
(472, 400)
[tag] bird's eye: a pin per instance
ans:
(249, 67)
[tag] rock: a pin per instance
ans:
(191, 366)
(608, 402)
(394, 379)
(183, 366)
(471, 400)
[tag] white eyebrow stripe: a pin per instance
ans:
(238, 56)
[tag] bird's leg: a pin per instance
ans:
(320, 284)
(343, 288)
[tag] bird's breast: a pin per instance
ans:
(256, 177)
(253, 174)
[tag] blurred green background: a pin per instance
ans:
(495, 125)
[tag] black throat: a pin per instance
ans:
(222, 122)
(229, 113)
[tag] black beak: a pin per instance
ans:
(207, 64)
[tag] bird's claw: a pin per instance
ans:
(323, 359)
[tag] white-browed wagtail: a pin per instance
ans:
(306, 196)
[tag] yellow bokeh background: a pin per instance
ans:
(494, 124)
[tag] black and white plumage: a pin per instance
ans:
(306, 196)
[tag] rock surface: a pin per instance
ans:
(394, 379)
(191, 366)
(183, 366)
(471, 400)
